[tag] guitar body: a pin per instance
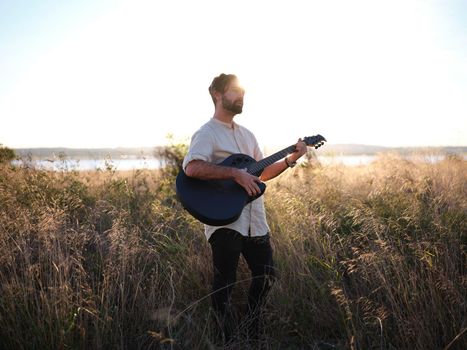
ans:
(216, 202)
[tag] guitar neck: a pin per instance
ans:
(257, 168)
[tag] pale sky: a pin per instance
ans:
(126, 73)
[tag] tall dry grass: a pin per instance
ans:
(370, 257)
(379, 252)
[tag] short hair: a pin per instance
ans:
(220, 84)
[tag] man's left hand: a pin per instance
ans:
(300, 150)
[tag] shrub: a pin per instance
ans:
(6, 154)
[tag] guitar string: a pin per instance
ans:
(271, 159)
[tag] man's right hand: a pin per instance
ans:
(206, 171)
(248, 182)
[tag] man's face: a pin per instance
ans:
(232, 98)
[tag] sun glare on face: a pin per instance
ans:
(237, 89)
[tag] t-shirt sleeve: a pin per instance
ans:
(201, 148)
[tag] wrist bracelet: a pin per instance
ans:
(290, 165)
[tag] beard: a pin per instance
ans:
(232, 106)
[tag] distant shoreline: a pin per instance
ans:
(57, 153)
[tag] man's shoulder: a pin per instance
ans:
(206, 127)
(205, 133)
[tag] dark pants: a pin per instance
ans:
(227, 245)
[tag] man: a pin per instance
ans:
(219, 138)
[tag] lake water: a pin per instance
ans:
(94, 164)
(155, 163)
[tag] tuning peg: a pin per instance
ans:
(319, 144)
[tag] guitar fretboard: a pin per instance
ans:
(257, 168)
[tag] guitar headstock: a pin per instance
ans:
(316, 141)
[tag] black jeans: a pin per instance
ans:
(227, 245)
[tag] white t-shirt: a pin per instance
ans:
(214, 142)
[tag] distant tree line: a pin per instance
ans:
(86, 153)
(157, 151)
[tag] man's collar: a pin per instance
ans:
(232, 125)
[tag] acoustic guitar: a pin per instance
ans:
(220, 202)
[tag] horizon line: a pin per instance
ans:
(266, 146)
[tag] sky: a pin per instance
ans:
(89, 74)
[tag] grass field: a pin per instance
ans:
(369, 257)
